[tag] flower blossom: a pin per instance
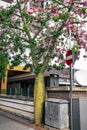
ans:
(79, 10)
(35, 10)
(13, 17)
(1, 32)
(25, 1)
(68, 22)
(54, 10)
(85, 3)
(66, 1)
(39, 0)
(73, 28)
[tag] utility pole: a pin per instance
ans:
(71, 84)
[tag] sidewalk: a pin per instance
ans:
(9, 121)
(13, 122)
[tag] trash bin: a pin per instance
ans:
(57, 113)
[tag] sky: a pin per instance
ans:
(3, 3)
(79, 64)
(82, 62)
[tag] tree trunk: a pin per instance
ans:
(39, 98)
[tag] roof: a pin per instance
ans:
(31, 75)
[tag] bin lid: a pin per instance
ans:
(55, 100)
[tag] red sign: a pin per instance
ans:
(69, 57)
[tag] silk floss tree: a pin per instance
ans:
(41, 28)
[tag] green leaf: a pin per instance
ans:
(16, 60)
(25, 27)
(31, 17)
(43, 22)
(61, 66)
(56, 19)
(37, 70)
(49, 68)
(27, 66)
(84, 10)
(3, 65)
(75, 48)
(64, 16)
(24, 13)
(61, 56)
(56, 33)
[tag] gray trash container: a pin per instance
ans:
(56, 113)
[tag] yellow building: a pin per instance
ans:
(16, 70)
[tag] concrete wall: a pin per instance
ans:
(64, 92)
(21, 107)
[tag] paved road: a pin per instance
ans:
(9, 121)
(12, 122)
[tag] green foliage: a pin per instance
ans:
(56, 19)
(53, 55)
(32, 44)
(33, 29)
(16, 60)
(43, 22)
(24, 13)
(37, 70)
(3, 65)
(56, 33)
(75, 48)
(64, 16)
(84, 10)
(17, 91)
(31, 17)
(49, 67)
(61, 66)
(11, 67)
(25, 27)
(6, 13)
(55, 66)
(61, 56)
(27, 66)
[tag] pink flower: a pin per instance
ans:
(73, 28)
(54, 10)
(38, 17)
(13, 17)
(68, 22)
(10, 48)
(35, 9)
(1, 7)
(25, 1)
(66, 1)
(39, 0)
(85, 3)
(56, 14)
(40, 9)
(1, 32)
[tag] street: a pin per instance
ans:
(12, 122)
